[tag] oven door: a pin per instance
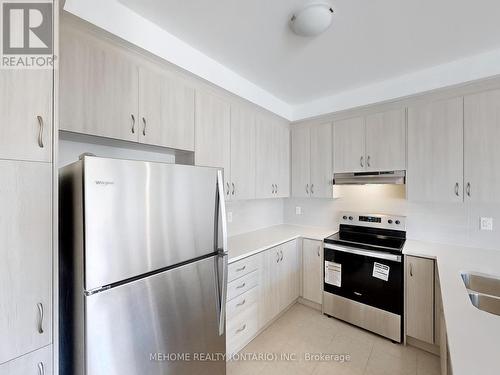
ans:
(370, 277)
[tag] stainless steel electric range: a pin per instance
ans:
(363, 273)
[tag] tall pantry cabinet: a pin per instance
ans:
(26, 220)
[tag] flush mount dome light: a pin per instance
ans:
(312, 19)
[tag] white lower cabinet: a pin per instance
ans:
(312, 270)
(38, 362)
(261, 287)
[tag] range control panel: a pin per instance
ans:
(374, 220)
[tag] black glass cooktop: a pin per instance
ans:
(369, 238)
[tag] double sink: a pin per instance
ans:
(484, 291)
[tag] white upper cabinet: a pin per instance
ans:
(321, 161)
(242, 153)
(26, 253)
(166, 110)
(26, 115)
(212, 133)
(98, 88)
(435, 151)
(301, 161)
(349, 145)
(386, 141)
(312, 161)
(482, 150)
(272, 158)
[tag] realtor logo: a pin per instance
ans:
(26, 34)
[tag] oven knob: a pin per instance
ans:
(389, 221)
(350, 218)
(398, 222)
(344, 217)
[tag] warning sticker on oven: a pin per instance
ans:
(381, 271)
(333, 273)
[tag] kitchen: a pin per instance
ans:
(355, 216)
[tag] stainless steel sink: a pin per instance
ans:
(484, 291)
(486, 303)
(481, 283)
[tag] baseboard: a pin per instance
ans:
(431, 348)
(311, 304)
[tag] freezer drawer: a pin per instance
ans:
(170, 313)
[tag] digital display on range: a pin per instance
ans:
(370, 219)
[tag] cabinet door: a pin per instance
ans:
(386, 141)
(166, 110)
(281, 139)
(269, 286)
(349, 145)
(242, 153)
(98, 88)
(482, 132)
(38, 362)
(435, 151)
(150, 127)
(301, 161)
(420, 298)
(26, 114)
(212, 133)
(288, 274)
(321, 161)
(266, 158)
(26, 253)
(312, 270)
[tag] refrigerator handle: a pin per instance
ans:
(220, 219)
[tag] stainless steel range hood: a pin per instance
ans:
(364, 178)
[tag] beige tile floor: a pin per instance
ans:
(304, 330)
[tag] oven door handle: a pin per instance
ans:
(368, 253)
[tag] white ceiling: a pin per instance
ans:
(369, 42)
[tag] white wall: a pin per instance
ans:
(454, 223)
(254, 214)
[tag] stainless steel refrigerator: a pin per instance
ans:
(142, 268)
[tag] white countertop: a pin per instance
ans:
(247, 244)
(473, 335)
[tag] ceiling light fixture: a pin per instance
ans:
(312, 19)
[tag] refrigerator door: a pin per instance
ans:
(144, 216)
(158, 325)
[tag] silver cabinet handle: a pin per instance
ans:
(40, 318)
(40, 131)
(41, 368)
(272, 191)
(312, 188)
(241, 303)
(276, 188)
(281, 251)
(241, 329)
(277, 256)
(241, 286)
(232, 193)
(361, 162)
(319, 247)
(468, 189)
(411, 269)
(368, 161)
(133, 123)
(144, 126)
(228, 190)
(241, 269)
(456, 189)
(307, 189)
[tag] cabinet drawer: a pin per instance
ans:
(242, 303)
(241, 329)
(34, 363)
(241, 285)
(242, 267)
